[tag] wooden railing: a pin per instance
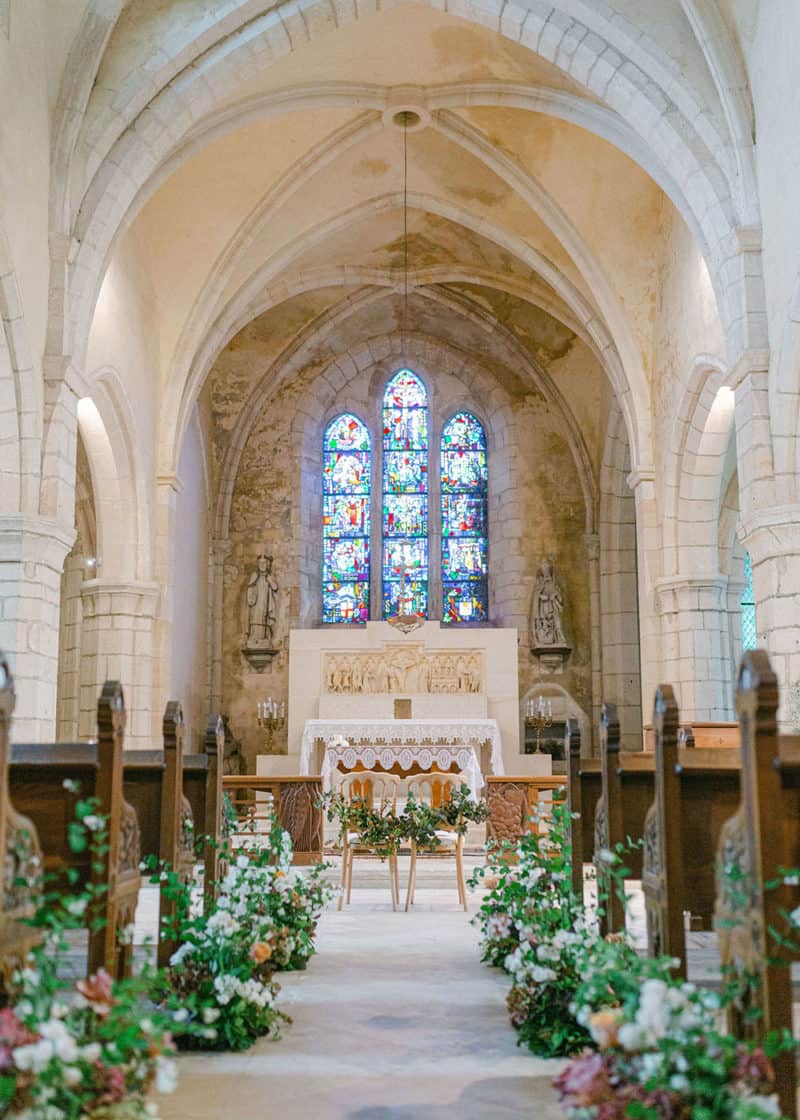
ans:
(295, 800)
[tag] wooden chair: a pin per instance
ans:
(435, 790)
(36, 781)
(762, 837)
(373, 788)
(19, 846)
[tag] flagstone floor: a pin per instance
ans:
(395, 1019)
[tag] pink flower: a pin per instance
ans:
(585, 1081)
(97, 991)
(13, 1033)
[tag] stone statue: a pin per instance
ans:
(261, 605)
(547, 608)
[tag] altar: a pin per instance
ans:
(435, 688)
(402, 746)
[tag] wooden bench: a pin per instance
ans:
(155, 783)
(703, 736)
(37, 774)
(761, 837)
(695, 790)
(19, 845)
(584, 789)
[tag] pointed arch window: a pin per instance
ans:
(465, 544)
(748, 604)
(405, 496)
(346, 476)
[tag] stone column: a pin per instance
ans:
(68, 704)
(648, 562)
(32, 552)
(168, 487)
(217, 555)
(772, 537)
(119, 643)
(695, 643)
(591, 543)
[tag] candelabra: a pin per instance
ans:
(539, 716)
(271, 717)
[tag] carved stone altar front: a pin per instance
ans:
(404, 669)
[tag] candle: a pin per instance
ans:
(258, 710)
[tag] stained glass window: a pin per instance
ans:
(405, 496)
(465, 548)
(748, 602)
(346, 461)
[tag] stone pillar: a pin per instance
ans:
(168, 487)
(695, 643)
(32, 551)
(772, 537)
(648, 561)
(68, 704)
(119, 643)
(218, 554)
(592, 545)
(754, 443)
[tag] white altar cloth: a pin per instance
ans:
(404, 742)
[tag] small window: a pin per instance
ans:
(748, 602)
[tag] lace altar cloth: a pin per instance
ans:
(383, 744)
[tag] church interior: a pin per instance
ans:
(399, 559)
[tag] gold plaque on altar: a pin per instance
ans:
(402, 709)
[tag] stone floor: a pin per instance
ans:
(395, 1019)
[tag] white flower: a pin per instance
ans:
(77, 906)
(72, 1076)
(166, 1075)
(70, 786)
(181, 1015)
(541, 975)
(180, 953)
(794, 917)
(93, 822)
(605, 855)
(211, 1014)
(91, 1052)
(547, 952)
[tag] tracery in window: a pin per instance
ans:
(346, 474)
(405, 496)
(748, 604)
(465, 546)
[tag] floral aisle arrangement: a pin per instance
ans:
(381, 829)
(384, 830)
(661, 1056)
(91, 1050)
(455, 812)
(219, 984)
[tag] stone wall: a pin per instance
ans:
(537, 508)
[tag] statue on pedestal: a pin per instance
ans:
(260, 614)
(548, 642)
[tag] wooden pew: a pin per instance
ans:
(695, 791)
(36, 780)
(19, 845)
(584, 789)
(703, 736)
(762, 836)
(153, 785)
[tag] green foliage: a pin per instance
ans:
(89, 1051)
(263, 918)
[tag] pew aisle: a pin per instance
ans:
(395, 1019)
